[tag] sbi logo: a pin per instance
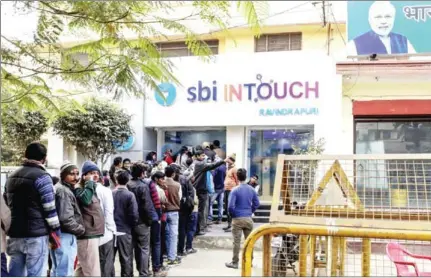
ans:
(167, 94)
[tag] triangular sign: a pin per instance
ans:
(336, 174)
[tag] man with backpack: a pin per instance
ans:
(186, 205)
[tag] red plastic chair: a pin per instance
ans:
(398, 255)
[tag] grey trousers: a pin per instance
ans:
(107, 259)
(125, 251)
(242, 225)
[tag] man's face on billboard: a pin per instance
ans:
(381, 17)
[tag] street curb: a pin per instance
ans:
(220, 242)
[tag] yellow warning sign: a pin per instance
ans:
(337, 174)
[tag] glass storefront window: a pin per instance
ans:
(176, 139)
(265, 145)
(394, 183)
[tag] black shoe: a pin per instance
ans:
(174, 262)
(200, 234)
(231, 265)
(182, 254)
(191, 251)
(227, 228)
(218, 222)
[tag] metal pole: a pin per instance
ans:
(316, 230)
(303, 256)
(267, 268)
(366, 257)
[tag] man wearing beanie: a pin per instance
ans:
(231, 181)
(71, 222)
(94, 222)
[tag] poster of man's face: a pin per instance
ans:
(381, 17)
(388, 27)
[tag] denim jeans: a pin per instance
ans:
(172, 234)
(155, 246)
(28, 256)
(192, 225)
(4, 272)
(63, 258)
(217, 196)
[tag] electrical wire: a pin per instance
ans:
(337, 26)
(268, 17)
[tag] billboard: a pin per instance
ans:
(388, 27)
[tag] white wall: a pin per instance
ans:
(235, 138)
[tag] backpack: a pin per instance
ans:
(187, 202)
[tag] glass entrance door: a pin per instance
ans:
(264, 145)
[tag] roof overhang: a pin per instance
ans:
(385, 68)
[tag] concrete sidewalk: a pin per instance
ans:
(219, 239)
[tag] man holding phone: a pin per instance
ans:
(94, 221)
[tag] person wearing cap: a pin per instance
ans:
(94, 221)
(230, 182)
(71, 222)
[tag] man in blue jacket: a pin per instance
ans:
(243, 202)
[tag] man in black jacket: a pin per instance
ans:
(200, 183)
(186, 205)
(71, 222)
(126, 218)
(147, 214)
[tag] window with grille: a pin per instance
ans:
(279, 42)
(179, 49)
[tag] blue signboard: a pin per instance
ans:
(127, 145)
(388, 27)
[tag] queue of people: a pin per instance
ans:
(144, 212)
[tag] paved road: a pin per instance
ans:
(206, 263)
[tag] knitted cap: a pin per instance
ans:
(89, 166)
(66, 168)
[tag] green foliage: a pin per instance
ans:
(315, 147)
(116, 63)
(18, 131)
(94, 131)
(306, 169)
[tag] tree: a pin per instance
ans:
(20, 130)
(116, 63)
(95, 132)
